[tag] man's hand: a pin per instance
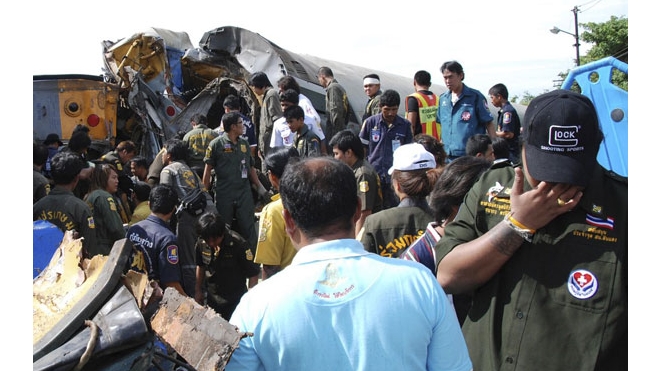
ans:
(537, 207)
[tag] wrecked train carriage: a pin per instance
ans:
(163, 87)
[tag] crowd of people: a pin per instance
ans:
(445, 239)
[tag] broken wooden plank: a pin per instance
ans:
(197, 333)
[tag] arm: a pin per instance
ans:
(337, 111)
(412, 117)
(269, 271)
(504, 134)
(199, 281)
(207, 176)
(360, 222)
(490, 129)
(470, 264)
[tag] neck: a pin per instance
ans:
(164, 217)
(233, 137)
(458, 90)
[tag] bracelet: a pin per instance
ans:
(518, 224)
(519, 228)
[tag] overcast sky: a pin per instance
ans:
(495, 41)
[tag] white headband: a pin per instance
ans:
(371, 81)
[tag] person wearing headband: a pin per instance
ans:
(371, 84)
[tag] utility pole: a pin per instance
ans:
(577, 37)
(555, 30)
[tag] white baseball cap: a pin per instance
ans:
(412, 156)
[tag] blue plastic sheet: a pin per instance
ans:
(611, 103)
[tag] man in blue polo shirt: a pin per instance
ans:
(381, 135)
(463, 112)
(156, 251)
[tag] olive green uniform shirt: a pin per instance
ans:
(62, 208)
(560, 302)
(109, 226)
(390, 231)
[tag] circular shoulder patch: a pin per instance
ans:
(582, 284)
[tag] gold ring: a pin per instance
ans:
(560, 202)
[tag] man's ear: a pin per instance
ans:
(291, 229)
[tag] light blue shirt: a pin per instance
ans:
(468, 116)
(339, 307)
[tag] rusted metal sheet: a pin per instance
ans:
(197, 333)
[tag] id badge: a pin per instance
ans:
(244, 173)
(395, 144)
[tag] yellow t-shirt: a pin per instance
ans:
(274, 246)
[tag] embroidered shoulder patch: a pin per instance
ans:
(173, 254)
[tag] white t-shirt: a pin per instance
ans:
(283, 136)
(307, 106)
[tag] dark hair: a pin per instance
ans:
(433, 146)
(326, 71)
(79, 141)
(290, 96)
(293, 112)
(177, 148)
(416, 183)
(232, 102)
(198, 118)
(140, 161)
(80, 128)
(390, 98)
(499, 89)
(65, 166)
(229, 119)
(422, 78)
(39, 154)
(259, 80)
(371, 75)
(454, 182)
(288, 82)
(320, 193)
(211, 225)
(453, 66)
(163, 199)
(142, 190)
(127, 145)
(477, 143)
(100, 176)
(278, 158)
(500, 148)
(345, 140)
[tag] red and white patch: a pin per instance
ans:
(465, 116)
(582, 284)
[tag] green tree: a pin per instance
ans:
(610, 39)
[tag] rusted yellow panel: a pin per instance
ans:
(90, 103)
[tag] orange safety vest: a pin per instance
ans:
(428, 108)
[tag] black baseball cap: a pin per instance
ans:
(562, 137)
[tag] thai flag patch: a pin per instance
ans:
(600, 222)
